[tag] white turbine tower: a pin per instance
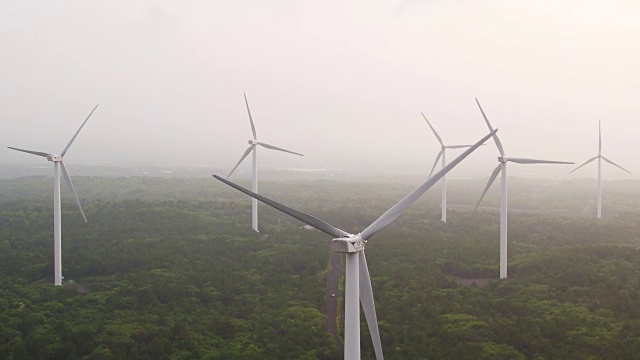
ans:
(357, 282)
(442, 154)
(600, 158)
(253, 147)
(502, 167)
(58, 165)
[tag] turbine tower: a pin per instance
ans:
(357, 280)
(600, 158)
(502, 168)
(253, 147)
(442, 154)
(58, 166)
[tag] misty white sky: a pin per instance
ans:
(343, 82)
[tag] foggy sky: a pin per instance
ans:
(343, 82)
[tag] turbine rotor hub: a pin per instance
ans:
(503, 159)
(348, 244)
(253, 142)
(54, 158)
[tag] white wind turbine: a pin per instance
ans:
(600, 158)
(502, 167)
(58, 165)
(442, 154)
(253, 146)
(357, 281)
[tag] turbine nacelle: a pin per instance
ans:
(54, 158)
(253, 142)
(503, 159)
(350, 244)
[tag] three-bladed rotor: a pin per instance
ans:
(349, 243)
(59, 159)
(600, 154)
(443, 147)
(503, 159)
(253, 143)
(599, 157)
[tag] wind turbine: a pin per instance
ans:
(502, 167)
(358, 282)
(253, 147)
(600, 158)
(442, 154)
(58, 165)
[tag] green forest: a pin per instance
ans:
(170, 269)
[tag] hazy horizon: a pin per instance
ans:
(341, 82)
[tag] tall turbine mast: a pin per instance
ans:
(600, 157)
(358, 282)
(502, 168)
(58, 167)
(253, 147)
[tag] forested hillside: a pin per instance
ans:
(170, 269)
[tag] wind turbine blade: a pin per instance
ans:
(77, 132)
(368, 307)
(242, 158)
(253, 127)
(305, 218)
(29, 151)
(459, 146)
(435, 164)
(492, 178)
(599, 138)
(585, 163)
(395, 211)
(67, 177)
(614, 164)
(277, 148)
(495, 137)
(434, 130)
(534, 161)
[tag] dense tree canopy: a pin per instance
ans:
(182, 276)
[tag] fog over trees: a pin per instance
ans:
(170, 268)
(342, 83)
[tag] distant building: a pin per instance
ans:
(81, 289)
(307, 227)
